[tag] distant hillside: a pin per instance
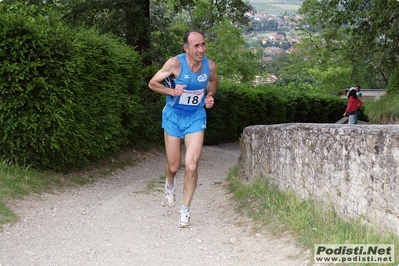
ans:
(276, 7)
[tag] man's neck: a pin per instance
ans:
(195, 66)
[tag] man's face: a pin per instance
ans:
(196, 46)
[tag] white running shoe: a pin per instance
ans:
(170, 197)
(184, 219)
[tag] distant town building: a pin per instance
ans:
(273, 50)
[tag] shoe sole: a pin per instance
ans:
(170, 204)
(184, 225)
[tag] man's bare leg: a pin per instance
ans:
(193, 143)
(173, 154)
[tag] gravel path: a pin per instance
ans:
(119, 220)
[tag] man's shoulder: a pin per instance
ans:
(212, 65)
(176, 59)
(173, 63)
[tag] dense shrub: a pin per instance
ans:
(314, 107)
(150, 132)
(64, 92)
(393, 84)
(238, 106)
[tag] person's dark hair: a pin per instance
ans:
(358, 87)
(352, 93)
(185, 38)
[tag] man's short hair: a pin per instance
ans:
(185, 38)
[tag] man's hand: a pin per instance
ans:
(209, 101)
(178, 90)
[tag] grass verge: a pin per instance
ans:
(386, 110)
(281, 212)
(16, 181)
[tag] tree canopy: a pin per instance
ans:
(368, 32)
(156, 28)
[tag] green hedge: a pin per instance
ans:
(65, 93)
(238, 106)
(314, 107)
(393, 84)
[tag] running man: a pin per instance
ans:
(189, 81)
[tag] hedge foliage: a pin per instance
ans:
(393, 84)
(238, 106)
(64, 92)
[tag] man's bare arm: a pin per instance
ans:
(171, 67)
(212, 85)
(213, 79)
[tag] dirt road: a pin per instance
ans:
(119, 220)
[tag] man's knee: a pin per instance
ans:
(173, 167)
(191, 167)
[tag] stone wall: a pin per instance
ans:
(353, 167)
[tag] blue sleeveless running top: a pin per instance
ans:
(194, 94)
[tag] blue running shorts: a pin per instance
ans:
(178, 124)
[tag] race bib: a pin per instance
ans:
(191, 97)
